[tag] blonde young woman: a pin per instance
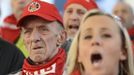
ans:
(101, 47)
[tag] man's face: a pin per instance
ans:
(100, 46)
(18, 6)
(40, 38)
(124, 11)
(72, 17)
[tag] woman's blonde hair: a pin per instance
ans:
(126, 67)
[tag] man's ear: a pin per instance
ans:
(61, 37)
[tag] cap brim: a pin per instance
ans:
(43, 16)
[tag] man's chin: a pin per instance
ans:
(71, 36)
(38, 59)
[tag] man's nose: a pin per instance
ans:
(120, 14)
(74, 16)
(35, 36)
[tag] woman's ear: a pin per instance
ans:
(123, 54)
(79, 59)
(62, 36)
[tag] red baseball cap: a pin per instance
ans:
(41, 9)
(88, 4)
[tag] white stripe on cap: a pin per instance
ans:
(49, 1)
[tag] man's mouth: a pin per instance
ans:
(73, 27)
(96, 59)
(35, 48)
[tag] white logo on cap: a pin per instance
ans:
(34, 6)
(88, 1)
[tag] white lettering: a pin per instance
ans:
(51, 69)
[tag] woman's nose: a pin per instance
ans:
(96, 41)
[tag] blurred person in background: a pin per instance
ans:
(73, 12)
(18, 6)
(93, 50)
(10, 32)
(43, 34)
(126, 14)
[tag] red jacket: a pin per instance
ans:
(54, 67)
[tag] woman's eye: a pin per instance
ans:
(88, 37)
(106, 36)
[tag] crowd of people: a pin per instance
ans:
(37, 40)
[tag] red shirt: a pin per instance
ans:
(10, 35)
(76, 72)
(131, 33)
(54, 67)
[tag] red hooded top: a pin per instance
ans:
(54, 67)
(8, 32)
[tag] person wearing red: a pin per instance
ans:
(9, 31)
(43, 33)
(125, 12)
(73, 13)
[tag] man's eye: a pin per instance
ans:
(115, 12)
(26, 31)
(69, 11)
(80, 12)
(124, 11)
(88, 37)
(44, 29)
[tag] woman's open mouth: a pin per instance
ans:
(96, 59)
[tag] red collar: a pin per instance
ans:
(55, 66)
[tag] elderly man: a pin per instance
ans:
(125, 12)
(43, 33)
